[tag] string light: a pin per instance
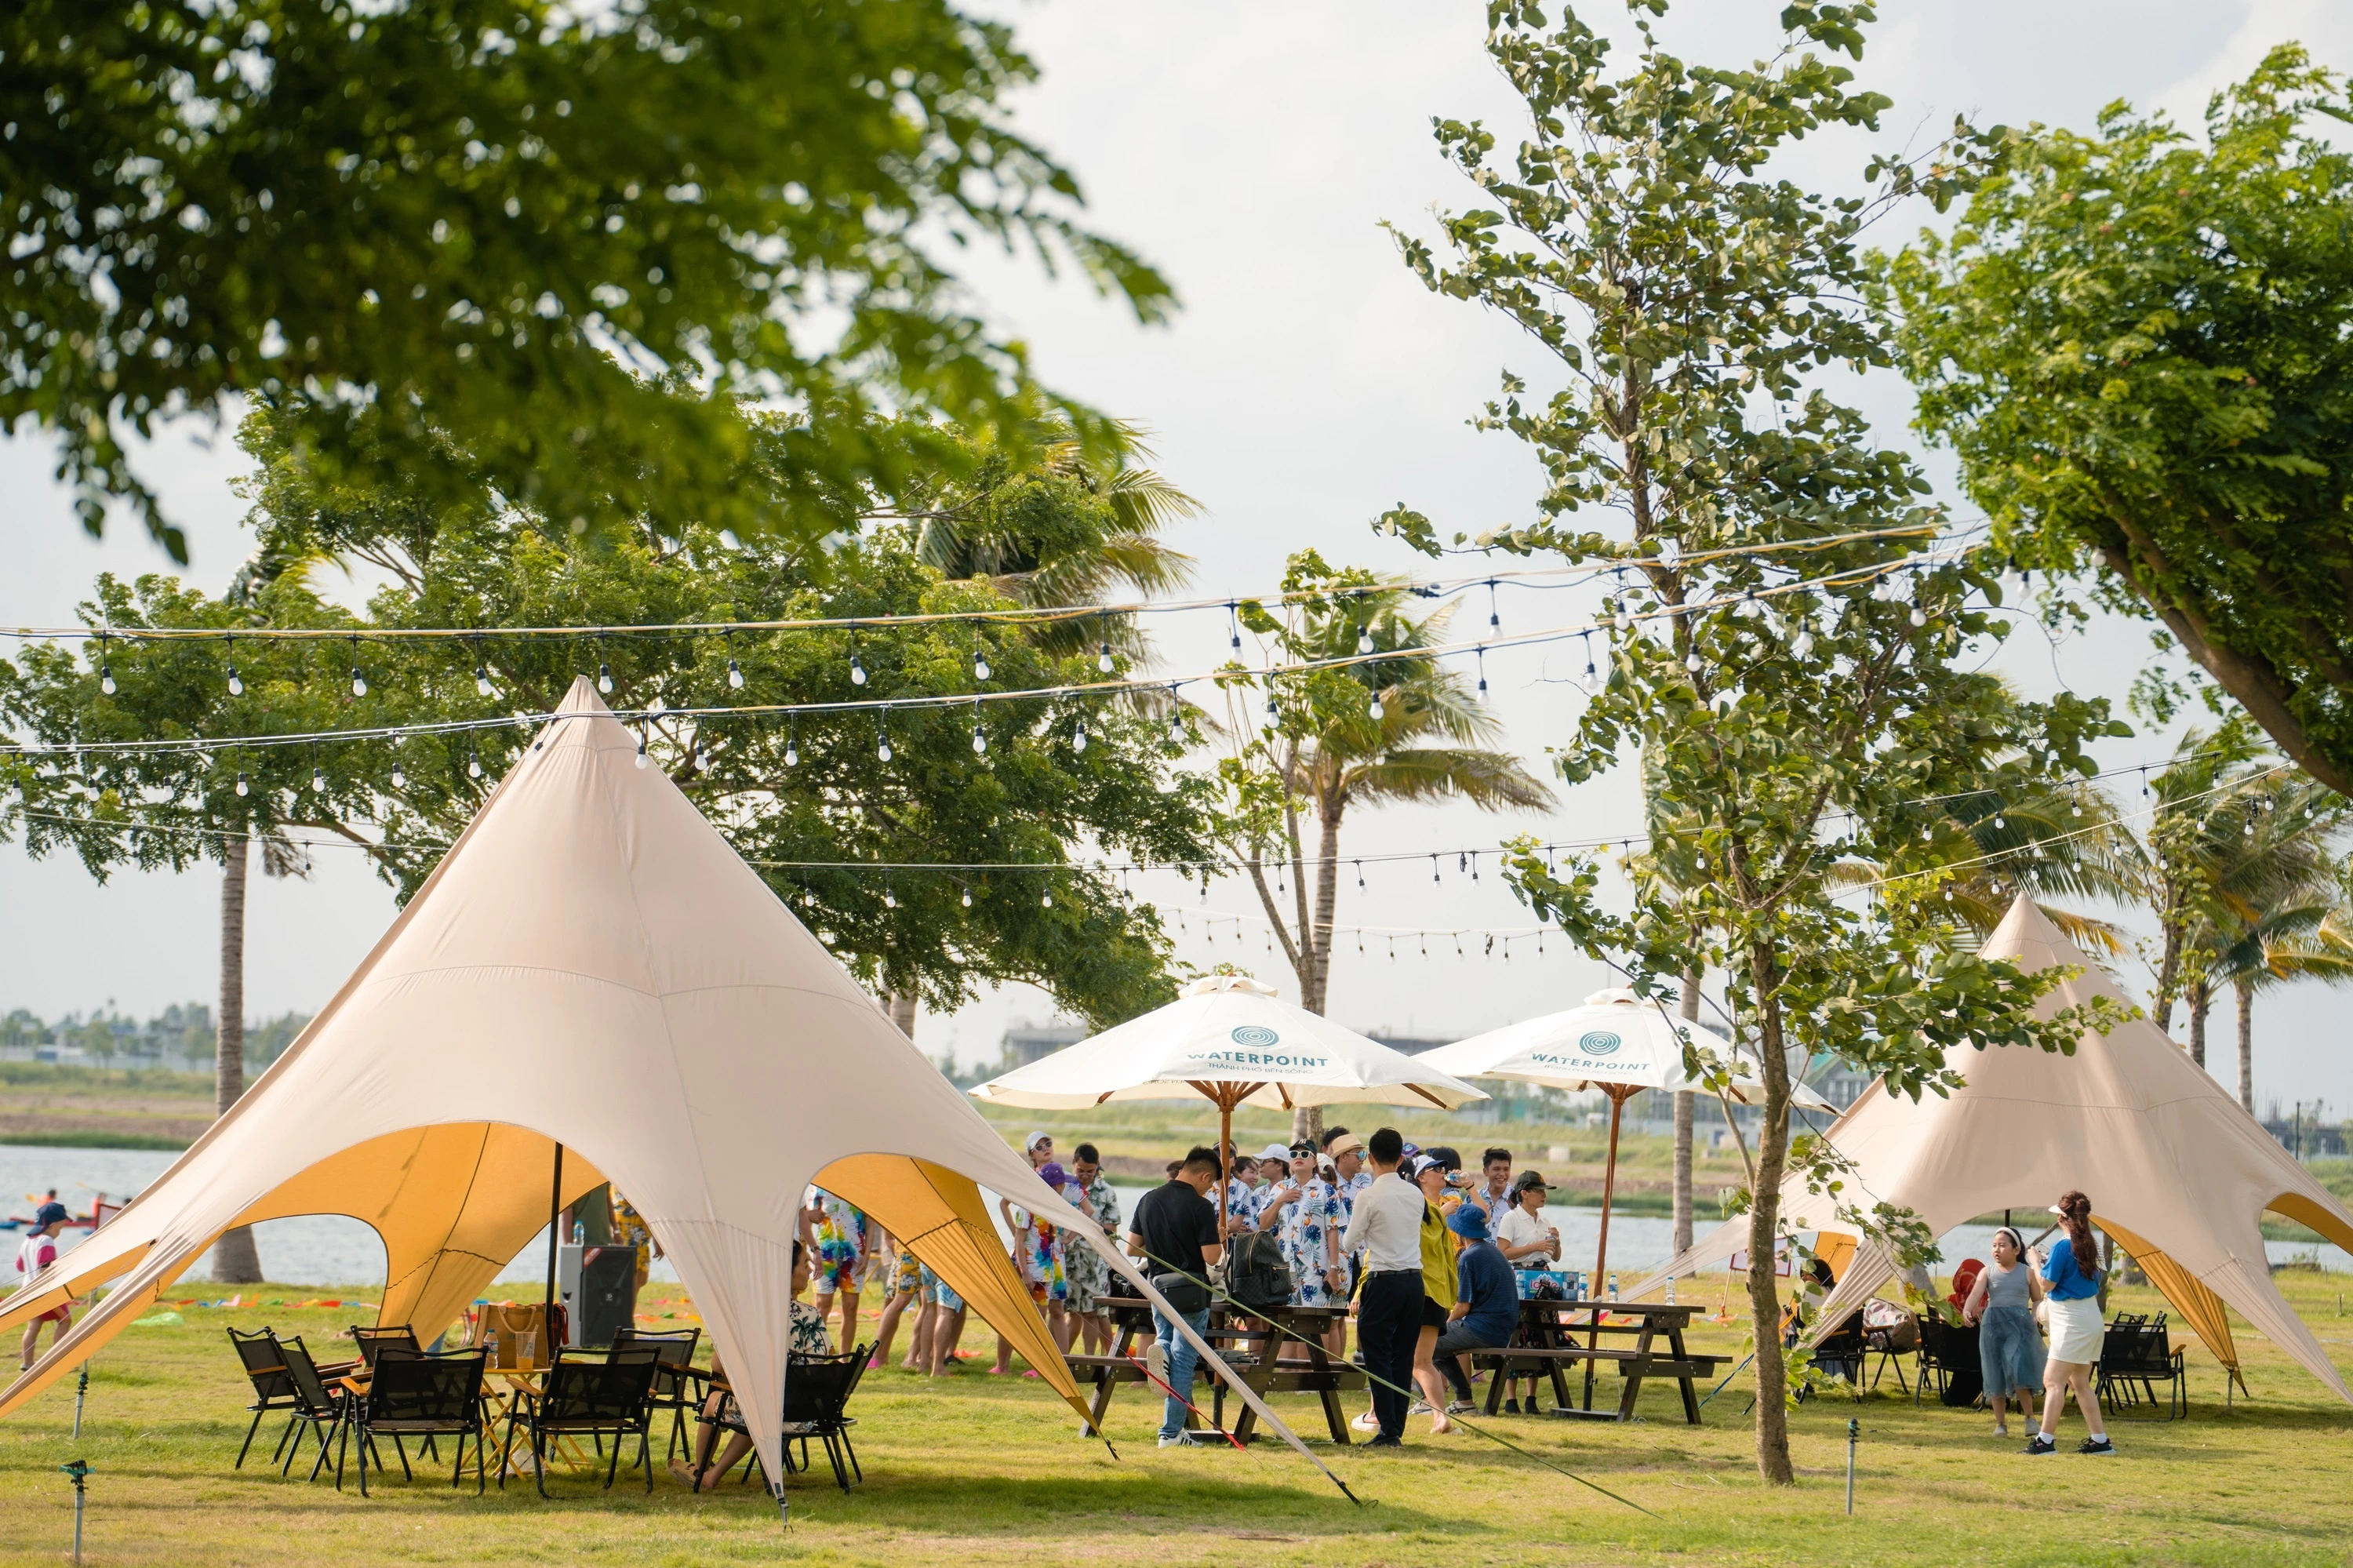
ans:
(980, 666)
(474, 758)
(1103, 660)
(793, 744)
(979, 741)
(1483, 675)
(1234, 627)
(1046, 901)
(241, 788)
(359, 680)
(1273, 715)
(1363, 639)
(857, 670)
(882, 737)
(967, 897)
(105, 670)
(481, 680)
(1377, 710)
(1494, 620)
(734, 675)
(604, 678)
(317, 779)
(1079, 734)
(399, 775)
(1360, 877)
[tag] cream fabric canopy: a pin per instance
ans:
(591, 963)
(2176, 1170)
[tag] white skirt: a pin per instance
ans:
(2076, 1330)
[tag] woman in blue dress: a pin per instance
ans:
(2009, 1347)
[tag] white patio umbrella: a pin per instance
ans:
(1228, 1040)
(1617, 1044)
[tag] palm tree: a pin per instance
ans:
(1397, 730)
(2274, 908)
(2193, 832)
(1072, 526)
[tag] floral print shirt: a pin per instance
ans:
(1309, 1235)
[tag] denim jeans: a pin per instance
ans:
(1454, 1342)
(1182, 1358)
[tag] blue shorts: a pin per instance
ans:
(935, 1289)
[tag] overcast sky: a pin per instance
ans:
(1252, 152)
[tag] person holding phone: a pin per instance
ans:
(1307, 1215)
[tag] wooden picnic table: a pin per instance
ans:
(1257, 1341)
(1553, 1335)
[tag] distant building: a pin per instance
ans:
(1409, 1047)
(1026, 1042)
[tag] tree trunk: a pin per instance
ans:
(2246, 1044)
(1307, 1121)
(2168, 970)
(235, 1261)
(2201, 1002)
(1683, 1102)
(900, 1005)
(1764, 1226)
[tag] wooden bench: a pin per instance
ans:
(1549, 1337)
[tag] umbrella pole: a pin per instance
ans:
(1601, 1251)
(1225, 1155)
(555, 1210)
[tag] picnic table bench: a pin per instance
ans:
(1258, 1358)
(1547, 1342)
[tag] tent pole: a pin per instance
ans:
(554, 1208)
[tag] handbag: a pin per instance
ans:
(1182, 1291)
(1254, 1273)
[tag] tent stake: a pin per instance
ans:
(82, 1388)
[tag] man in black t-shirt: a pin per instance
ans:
(1175, 1229)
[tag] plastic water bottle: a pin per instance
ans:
(1671, 1290)
(1613, 1284)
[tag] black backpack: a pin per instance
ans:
(1253, 1272)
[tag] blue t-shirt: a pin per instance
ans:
(1488, 1289)
(2067, 1281)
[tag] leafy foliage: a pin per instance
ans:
(1793, 712)
(2133, 343)
(542, 248)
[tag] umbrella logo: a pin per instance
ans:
(1599, 1043)
(1254, 1034)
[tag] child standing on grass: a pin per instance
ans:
(2010, 1350)
(34, 1254)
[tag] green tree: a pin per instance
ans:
(2191, 833)
(544, 250)
(1790, 710)
(176, 801)
(2132, 343)
(1397, 730)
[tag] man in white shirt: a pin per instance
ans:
(1386, 1227)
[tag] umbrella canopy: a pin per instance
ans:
(1228, 1040)
(1229, 1031)
(1616, 1043)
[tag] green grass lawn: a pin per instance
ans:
(978, 1469)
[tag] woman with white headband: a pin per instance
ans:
(2010, 1350)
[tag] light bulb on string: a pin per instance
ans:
(1176, 718)
(106, 679)
(980, 666)
(1377, 710)
(1433, 868)
(1047, 900)
(242, 789)
(1360, 877)
(881, 737)
(857, 670)
(1273, 714)
(1103, 660)
(979, 741)
(1078, 736)
(474, 759)
(604, 678)
(1483, 675)
(399, 775)
(793, 743)
(967, 897)
(481, 680)
(734, 675)
(1494, 620)
(1234, 627)
(888, 901)
(236, 686)
(1365, 640)
(359, 683)
(1919, 617)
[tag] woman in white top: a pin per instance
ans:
(1529, 1244)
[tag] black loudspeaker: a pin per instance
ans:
(608, 1293)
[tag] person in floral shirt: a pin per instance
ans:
(1038, 1255)
(1307, 1217)
(843, 1235)
(1089, 1275)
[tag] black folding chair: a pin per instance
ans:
(2135, 1357)
(272, 1389)
(1948, 1355)
(816, 1392)
(399, 1336)
(319, 1406)
(1884, 1343)
(609, 1396)
(674, 1389)
(817, 1397)
(413, 1394)
(1840, 1353)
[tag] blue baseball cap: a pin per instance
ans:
(1469, 1222)
(50, 1213)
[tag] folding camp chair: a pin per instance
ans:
(412, 1394)
(674, 1388)
(272, 1389)
(609, 1396)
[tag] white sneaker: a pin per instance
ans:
(1367, 1422)
(2002, 1429)
(1183, 1440)
(1155, 1361)
(1421, 1407)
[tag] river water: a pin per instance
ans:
(331, 1250)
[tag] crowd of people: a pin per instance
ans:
(1465, 1240)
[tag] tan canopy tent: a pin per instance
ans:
(591, 964)
(2178, 1172)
